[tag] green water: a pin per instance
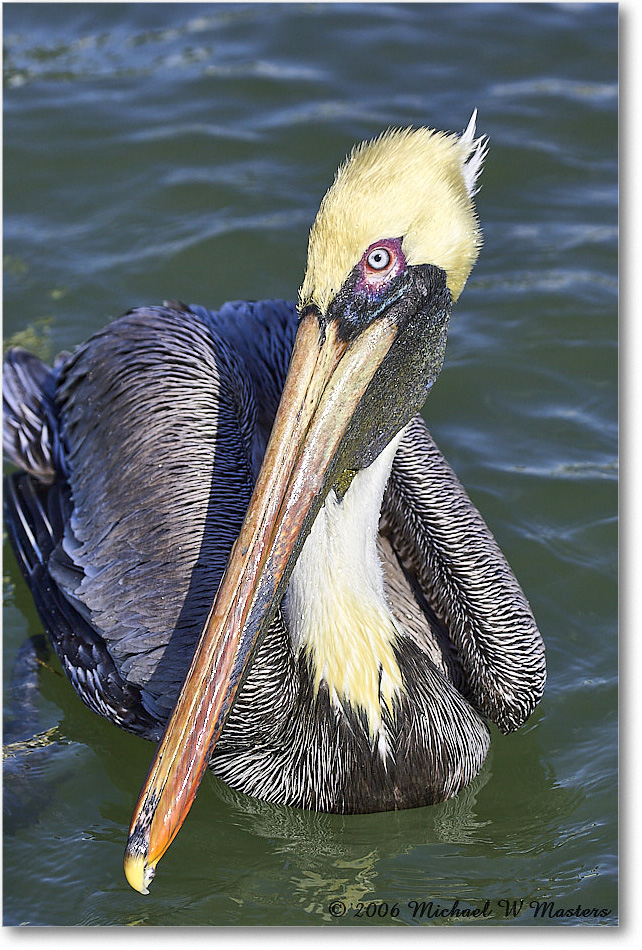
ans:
(181, 150)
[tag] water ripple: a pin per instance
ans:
(557, 87)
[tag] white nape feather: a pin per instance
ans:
(478, 151)
(336, 606)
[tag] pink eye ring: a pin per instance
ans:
(379, 259)
(381, 262)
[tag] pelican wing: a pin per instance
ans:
(445, 543)
(157, 415)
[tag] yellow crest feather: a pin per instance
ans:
(415, 184)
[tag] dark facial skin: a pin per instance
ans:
(418, 299)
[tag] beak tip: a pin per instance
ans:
(139, 874)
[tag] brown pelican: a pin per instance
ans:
(283, 549)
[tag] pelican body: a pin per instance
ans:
(243, 540)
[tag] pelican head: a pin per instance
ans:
(414, 187)
(392, 245)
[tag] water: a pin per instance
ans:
(180, 150)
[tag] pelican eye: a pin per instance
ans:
(379, 258)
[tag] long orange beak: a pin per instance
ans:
(306, 453)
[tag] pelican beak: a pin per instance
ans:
(329, 374)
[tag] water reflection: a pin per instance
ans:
(236, 851)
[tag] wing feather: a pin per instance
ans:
(443, 539)
(157, 418)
